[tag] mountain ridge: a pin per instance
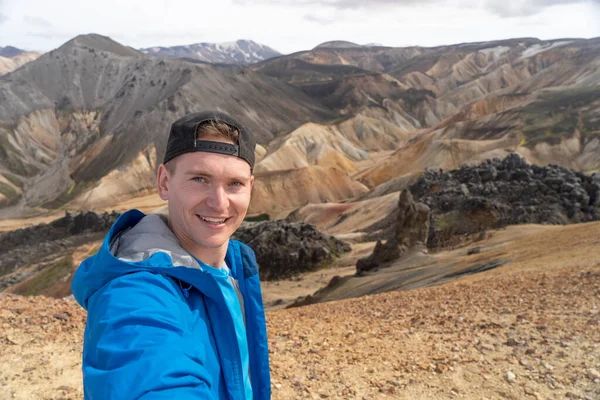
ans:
(93, 105)
(240, 52)
(104, 108)
(10, 51)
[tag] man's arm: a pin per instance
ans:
(138, 343)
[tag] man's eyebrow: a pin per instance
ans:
(198, 172)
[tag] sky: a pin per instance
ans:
(294, 25)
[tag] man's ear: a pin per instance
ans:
(163, 182)
(251, 182)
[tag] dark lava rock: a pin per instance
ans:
(505, 192)
(282, 249)
(40, 244)
(69, 225)
(287, 249)
(411, 229)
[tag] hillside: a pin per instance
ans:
(528, 330)
(84, 126)
(94, 107)
(451, 105)
(279, 192)
(9, 64)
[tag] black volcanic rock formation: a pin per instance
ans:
(41, 244)
(284, 250)
(410, 229)
(498, 193)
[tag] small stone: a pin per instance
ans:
(387, 390)
(278, 386)
(524, 362)
(512, 342)
(593, 374)
(510, 377)
(486, 347)
(529, 390)
(570, 395)
(61, 316)
(562, 354)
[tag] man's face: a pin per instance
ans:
(208, 197)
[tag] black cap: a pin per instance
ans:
(182, 138)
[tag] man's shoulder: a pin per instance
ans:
(247, 256)
(243, 249)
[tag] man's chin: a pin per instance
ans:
(214, 242)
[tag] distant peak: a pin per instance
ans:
(10, 51)
(102, 43)
(241, 51)
(338, 44)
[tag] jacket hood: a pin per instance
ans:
(135, 242)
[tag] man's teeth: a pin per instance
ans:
(214, 220)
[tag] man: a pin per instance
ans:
(174, 307)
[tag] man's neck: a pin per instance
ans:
(213, 257)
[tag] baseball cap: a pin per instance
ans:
(182, 137)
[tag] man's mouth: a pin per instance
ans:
(213, 220)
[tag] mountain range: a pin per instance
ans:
(85, 125)
(376, 146)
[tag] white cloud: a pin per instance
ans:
(37, 22)
(3, 17)
(289, 26)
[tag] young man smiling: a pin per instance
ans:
(174, 306)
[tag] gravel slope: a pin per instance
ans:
(527, 330)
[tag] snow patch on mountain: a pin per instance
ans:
(239, 52)
(493, 53)
(539, 48)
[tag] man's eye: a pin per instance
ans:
(198, 179)
(236, 183)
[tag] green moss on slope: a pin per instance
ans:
(47, 278)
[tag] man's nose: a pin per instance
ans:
(217, 198)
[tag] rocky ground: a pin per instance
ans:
(526, 330)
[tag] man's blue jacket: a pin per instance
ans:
(162, 325)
